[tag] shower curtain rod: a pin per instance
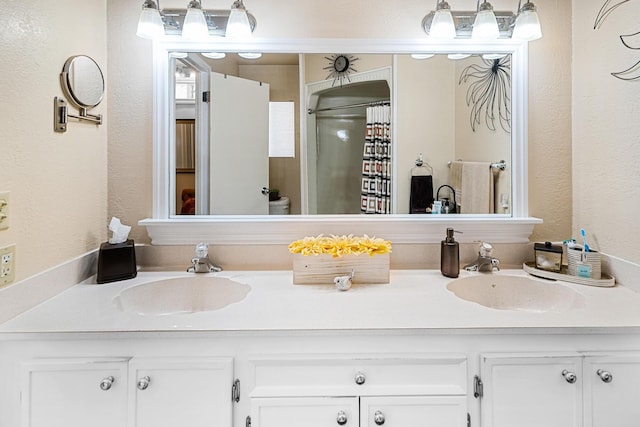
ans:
(363, 104)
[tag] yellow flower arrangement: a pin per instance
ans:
(338, 246)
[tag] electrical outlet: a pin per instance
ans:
(4, 210)
(7, 264)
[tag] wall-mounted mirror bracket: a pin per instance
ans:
(61, 115)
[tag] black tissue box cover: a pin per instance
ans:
(116, 261)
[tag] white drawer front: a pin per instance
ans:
(359, 375)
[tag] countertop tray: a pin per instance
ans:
(605, 281)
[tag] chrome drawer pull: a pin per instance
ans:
(378, 418)
(569, 376)
(106, 383)
(143, 383)
(342, 418)
(605, 376)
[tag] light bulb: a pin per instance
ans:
(150, 24)
(458, 56)
(214, 55)
(195, 24)
(527, 25)
(422, 55)
(442, 26)
(250, 55)
(238, 27)
(485, 26)
(492, 56)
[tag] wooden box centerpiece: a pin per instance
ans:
(318, 260)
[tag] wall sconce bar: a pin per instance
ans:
(463, 22)
(173, 20)
(61, 115)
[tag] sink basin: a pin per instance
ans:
(181, 295)
(516, 293)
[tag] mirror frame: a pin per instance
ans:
(399, 228)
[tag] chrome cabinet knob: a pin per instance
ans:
(605, 376)
(342, 418)
(143, 383)
(569, 376)
(360, 378)
(378, 418)
(106, 383)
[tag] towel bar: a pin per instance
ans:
(501, 165)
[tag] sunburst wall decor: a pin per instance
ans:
(340, 66)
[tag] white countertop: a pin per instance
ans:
(414, 300)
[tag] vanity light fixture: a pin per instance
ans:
(484, 23)
(150, 24)
(238, 27)
(192, 23)
(195, 24)
(485, 26)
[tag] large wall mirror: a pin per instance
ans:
(355, 118)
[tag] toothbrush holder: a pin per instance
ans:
(577, 259)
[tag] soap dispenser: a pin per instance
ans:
(450, 256)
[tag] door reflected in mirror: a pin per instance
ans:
(348, 158)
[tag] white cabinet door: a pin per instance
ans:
(531, 391)
(74, 393)
(304, 411)
(612, 391)
(419, 411)
(194, 392)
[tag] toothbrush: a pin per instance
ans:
(584, 240)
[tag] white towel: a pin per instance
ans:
(477, 194)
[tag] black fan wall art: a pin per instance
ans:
(489, 93)
(630, 41)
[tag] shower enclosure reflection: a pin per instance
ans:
(337, 159)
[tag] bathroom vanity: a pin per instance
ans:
(397, 354)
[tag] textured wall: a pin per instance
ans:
(58, 182)
(606, 129)
(130, 148)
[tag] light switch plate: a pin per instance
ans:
(7, 264)
(4, 210)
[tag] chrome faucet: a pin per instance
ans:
(201, 262)
(485, 261)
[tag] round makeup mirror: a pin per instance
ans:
(82, 81)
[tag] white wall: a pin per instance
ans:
(58, 182)
(606, 130)
(427, 112)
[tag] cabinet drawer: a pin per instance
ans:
(307, 411)
(359, 375)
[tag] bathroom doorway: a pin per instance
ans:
(336, 133)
